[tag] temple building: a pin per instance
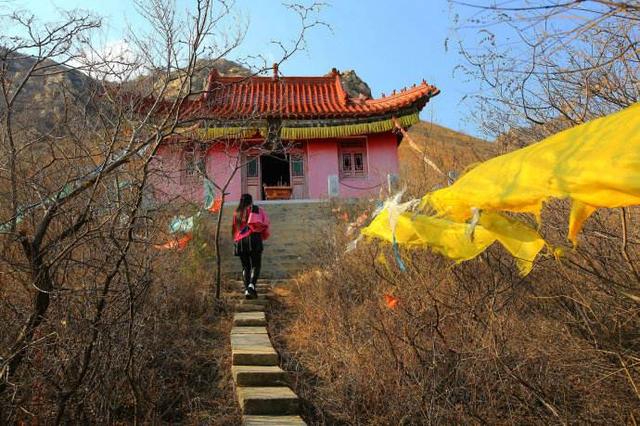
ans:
(281, 137)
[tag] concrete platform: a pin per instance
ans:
(253, 375)
(273, 421)
(249, 319)
(240, 295)
(268, 400)
(249, 357)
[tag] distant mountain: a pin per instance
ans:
(48, 93)
(351, 82)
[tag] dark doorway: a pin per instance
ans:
(275, 171)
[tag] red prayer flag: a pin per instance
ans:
(179, 244)
(390, 301)
(217, 203)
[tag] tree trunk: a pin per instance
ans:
(218, 278)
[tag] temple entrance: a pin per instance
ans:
(276, 176)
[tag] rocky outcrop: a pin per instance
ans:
(354, 85)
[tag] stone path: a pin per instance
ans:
(262, 387)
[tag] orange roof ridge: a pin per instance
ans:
(298, 97)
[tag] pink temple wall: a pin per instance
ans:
(382, 159)
(220, 165)
(322, 158)
(170, 184)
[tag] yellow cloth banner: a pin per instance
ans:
(454, 240)
(596, 164)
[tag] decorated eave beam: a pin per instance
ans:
(296, 131)
(343, 130)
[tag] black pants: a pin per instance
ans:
(251, 263)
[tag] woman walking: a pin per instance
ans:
(250, 229)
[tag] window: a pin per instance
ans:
(297, 165)
(353, 158)
(252, 167)
(194, 161)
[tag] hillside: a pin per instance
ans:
(48, 93)
(448, 149)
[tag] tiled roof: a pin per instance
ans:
(237, 98)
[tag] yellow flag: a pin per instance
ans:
(453, 239)
(596, 164)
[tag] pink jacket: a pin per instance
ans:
(258, 223)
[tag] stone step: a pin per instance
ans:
(253, 375)
(252, 357)
(252, 349)
(238, 298)
(273, 421)
(268, 400)
(251, 341)
(250, 307)
(259, 301)
(249, 319)
(249, 330)
(261, 292)
(266, 281)
(261, 287)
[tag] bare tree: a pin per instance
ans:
(543, 67)
(233, 144)
(549, 64)
(75, 189)
(79, 130)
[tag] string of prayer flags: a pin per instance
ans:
(6, 227)
(452, 239)
(211, 203)
(215, 206)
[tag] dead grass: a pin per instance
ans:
(180, 368)
(472, 343)
(465, 344)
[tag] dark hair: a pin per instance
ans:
(245, 201)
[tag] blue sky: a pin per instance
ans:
(390, 43)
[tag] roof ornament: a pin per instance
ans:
(334, 71)
(275, 70)
(213, 75)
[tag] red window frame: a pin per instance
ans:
(352, 158)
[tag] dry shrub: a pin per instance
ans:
(470, 343)
(161, 353)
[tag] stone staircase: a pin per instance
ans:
(262, 388)
(296, 227)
